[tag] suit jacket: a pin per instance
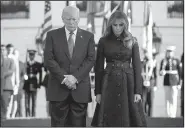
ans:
(22, 72)
(7, 70)
(57, 60)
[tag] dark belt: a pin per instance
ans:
(118, 65)
(32, 75)
(171, 72)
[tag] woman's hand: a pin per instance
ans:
(137, 98)
(98, 98)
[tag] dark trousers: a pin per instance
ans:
(19, 106)
(147, 100)
(182, 99)
(30, 95)
(182, 108)
(3, 107)
(47, 103)
(68, 113)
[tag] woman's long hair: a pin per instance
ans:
(126, 36)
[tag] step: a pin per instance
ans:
(45, 122)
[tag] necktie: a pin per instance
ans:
(70, 44)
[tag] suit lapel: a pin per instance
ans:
(78, 43)
(62, 36)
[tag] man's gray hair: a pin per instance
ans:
(68, 8)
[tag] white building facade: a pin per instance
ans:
(22, 32)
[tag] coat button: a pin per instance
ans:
(119, 105)
(118, 85)
(118, 74)
(119, 94)
(118, 39)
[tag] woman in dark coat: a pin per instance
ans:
(182, 88)
(118, 87)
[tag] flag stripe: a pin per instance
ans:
(47, 29)
(150, 36)
(148, 39)
(126, 8)
(47, 20)
(44, 36)
(48, 14)
(147, 33)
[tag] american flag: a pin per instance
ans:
(91, 9)
(147, 40)
(147, 32)
(126, 7)
(47, 25)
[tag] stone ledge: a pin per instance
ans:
(45, 122)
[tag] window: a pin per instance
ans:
(14, 9)
(175, 9)
(82, 5)
(98, 6)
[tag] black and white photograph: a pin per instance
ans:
(92, 64)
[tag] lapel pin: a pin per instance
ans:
(81, 36)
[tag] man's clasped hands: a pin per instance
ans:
(70, 81)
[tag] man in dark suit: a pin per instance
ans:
(182, 88)
(69, 56)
